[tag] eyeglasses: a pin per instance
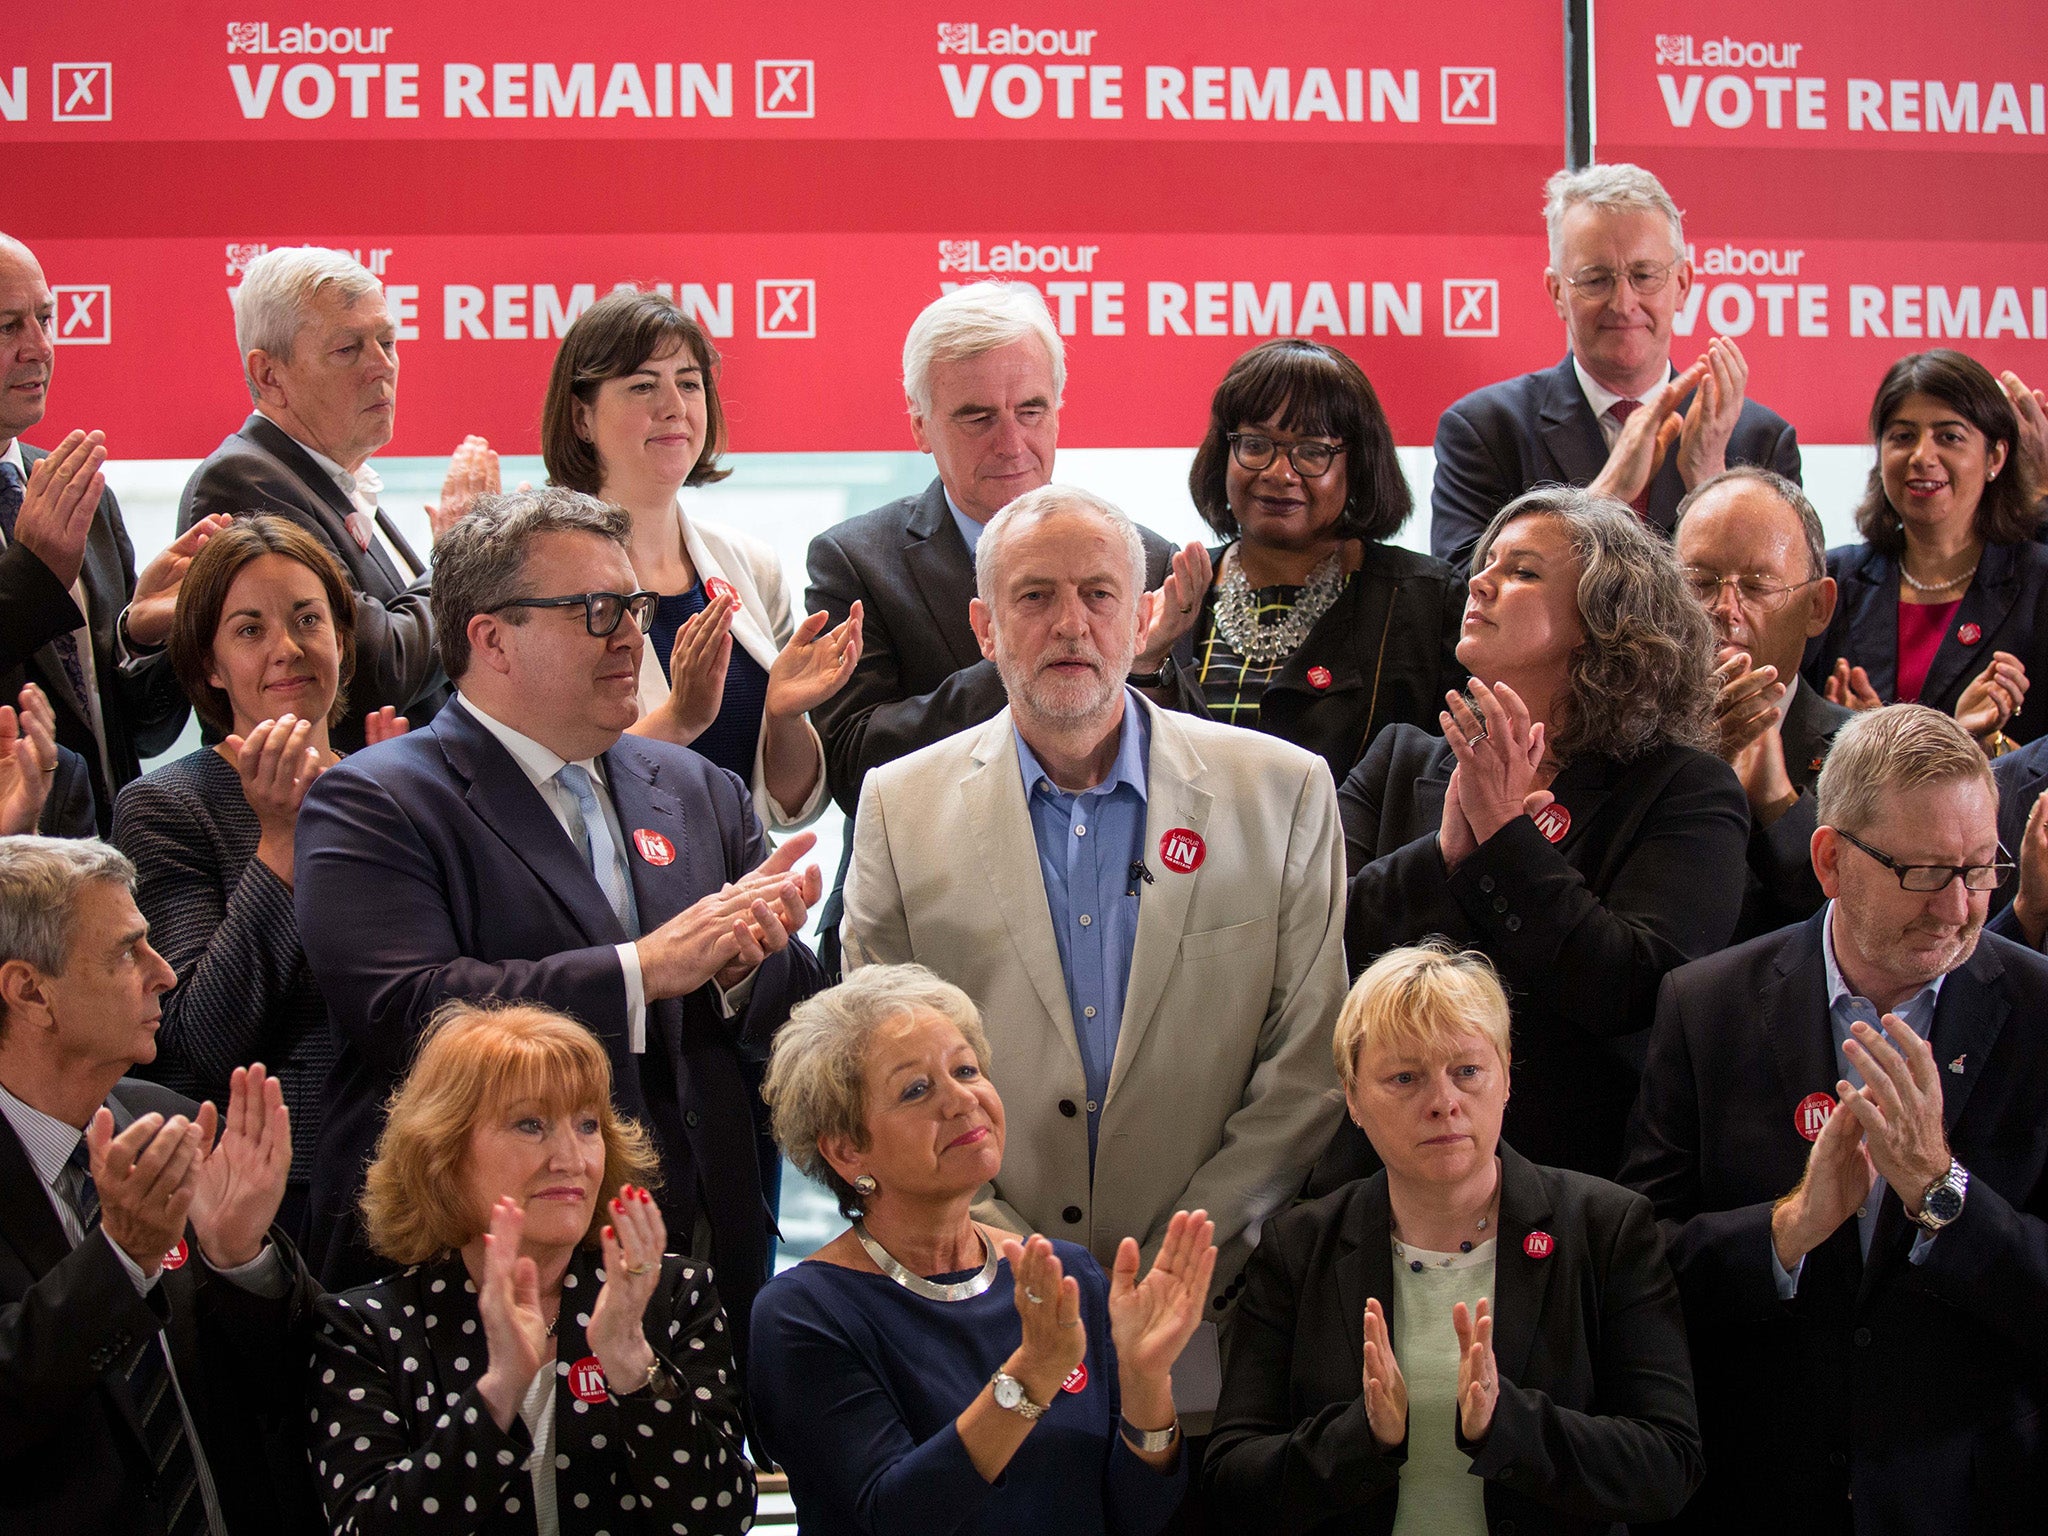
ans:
(1752, 588)
(1255, 451)
(601, 610)
(1597, 283)
(1927, 878)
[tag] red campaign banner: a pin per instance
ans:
(1142, 69)
(810, 326)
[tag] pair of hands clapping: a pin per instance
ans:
(28, 760)
(1701, 434)
(278, 763)
(1386, 1391)
(812, 667)
(1500, 767)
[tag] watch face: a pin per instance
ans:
(1009, 1392)
(1944, 1202)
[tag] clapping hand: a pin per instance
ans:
(1173, 606)
(28, 760)
(814, 665)
(1049, 1305)
(1745, 704)
(1898, 1106)
(2031, 407)
(155, 602)
(1500, 756)
(1646, 437)
(277, 764)
(1993, 697)
(696, 669)
(515, 1327)
(1386, 1391)
(144, 1180)
(1478, 1376)
(59, 503)
(1716, 408)
(240, 1182)
(472, 472)
(1850, 687)
(385, 724)
(633, 1244)
(1833, 1188)
(2030, 905)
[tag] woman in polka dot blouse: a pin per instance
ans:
(541, 1366)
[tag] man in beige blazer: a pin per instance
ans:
(1225, 957)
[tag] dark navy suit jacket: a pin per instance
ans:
(430, 868)
(1537, 429)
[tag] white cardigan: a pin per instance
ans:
(761, 628)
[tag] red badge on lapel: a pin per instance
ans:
(1319, 678)
(718, 587)
(179, 1253)
(1182, 850)
(1077, 1379)
(1553, 821)
(654, 848)
(1538, 1245)
(1811, 1117)
(1970, 634)
(586, 1380)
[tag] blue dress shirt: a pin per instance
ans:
(1088, 845)
(970, 530)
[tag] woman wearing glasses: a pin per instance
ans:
(1945, 603)
(1314, 629)
(633, 416)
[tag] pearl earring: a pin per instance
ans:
(866, 1184)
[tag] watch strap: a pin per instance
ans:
(1023, 1406)
(1152, 1441)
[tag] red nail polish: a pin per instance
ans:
(646, 1198)
(616, 1206)
(611, 1235)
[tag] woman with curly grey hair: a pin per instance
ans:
(1569, 822)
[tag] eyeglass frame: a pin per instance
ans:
(1603, 281)
(1955, 871)
(626, 600)
(1768, 604)
(1289, 449)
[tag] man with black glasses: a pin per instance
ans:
(1840, 1128)
(525, 846)
(1614, 415)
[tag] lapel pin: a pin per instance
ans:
(1970, 634)
(1814, 766)
(1182, 850)
(717, 587)
(1538, 1245)
(1811, 1116)
(178, 1254)
(586, 1380)
(1956, 1066)
(654, 848)
(1077, 1379)
(1319, 677)
(1553, 821)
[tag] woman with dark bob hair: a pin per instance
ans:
(540, 1365)
(632, 417)
(1569, 823)
(1315, 629)
(264, 642)
(1945, 603)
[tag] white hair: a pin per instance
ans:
(278, 290)
(1618, 187)
(1042, 503)
(970, 321)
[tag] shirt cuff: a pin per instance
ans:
(1788, 1282)
(732, 1004)
(636, 1000)
(262, 1276)
(144, 1284)
(1921, 1246)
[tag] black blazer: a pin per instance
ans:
(1782, 887)
(1537, 429)
(69, 811)
(72, 1456)
(2007, 602)
(1648, 875)
(1921, 1389)
(2021, 777)
(1386, 653)
(396, 1412)
(1594, 1423)
(141, 705)
(261, 469)
(430, 868)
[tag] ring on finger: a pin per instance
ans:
(1033, 1297)
(1473, 741)
(636, 1270)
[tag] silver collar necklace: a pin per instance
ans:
(930, 1290)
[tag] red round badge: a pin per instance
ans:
(179, 1253)
(1077, 1378)
(654, 848)
(1538, 1245)
(717, 587)
(1970, 634)
(1319, 677)
(586, 1380)
(1811, 1117)
(1182, 850)
(1553, 821)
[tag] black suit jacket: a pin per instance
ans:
(1537, 429)
(2007, 602)
(1386, 653)
(69, 811)
(1782, 886)
(1648, 875)
(2021, 777)
(1920, 1389)
(1594, 1423)
(141, 705)
(430, 868)
(72, 1456)
(261, 469)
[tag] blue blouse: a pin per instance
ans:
(730, 740)
(856, 1383)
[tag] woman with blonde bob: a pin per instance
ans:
(1466, 1341)
(540, 1365)
(926, 1372)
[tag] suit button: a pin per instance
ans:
(1862, 1338)
(1067, 1108)
(690, 1118)
(1514, 923)
(1500, 903)
(1837, 1459)
(1071, 1214)
(1220, 1302)
(1486, 884)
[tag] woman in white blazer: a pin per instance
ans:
(632, 416)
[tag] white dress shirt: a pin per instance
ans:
(361, 489)
(1602, 400)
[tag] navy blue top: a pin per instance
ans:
(856, 1383)
(730, 740)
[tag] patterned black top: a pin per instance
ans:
(1231, 685)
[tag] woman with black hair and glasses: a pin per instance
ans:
(1314, 629)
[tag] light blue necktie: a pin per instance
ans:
(598, 846)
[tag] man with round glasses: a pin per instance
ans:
(1840, 1129)
(1751, 546)
(525, 846)
(1614, 415)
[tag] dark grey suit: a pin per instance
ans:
(1538, 430)
(1782, 886)
(261, 469)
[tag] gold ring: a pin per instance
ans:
(637, 1270)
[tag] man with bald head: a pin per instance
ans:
(1752, 550)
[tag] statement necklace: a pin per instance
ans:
(1237, 611)
(1935, 586)
(961, 1290)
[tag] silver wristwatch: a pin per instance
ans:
(1152, 1440)
(1943, 1202)
(1010, 1394)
